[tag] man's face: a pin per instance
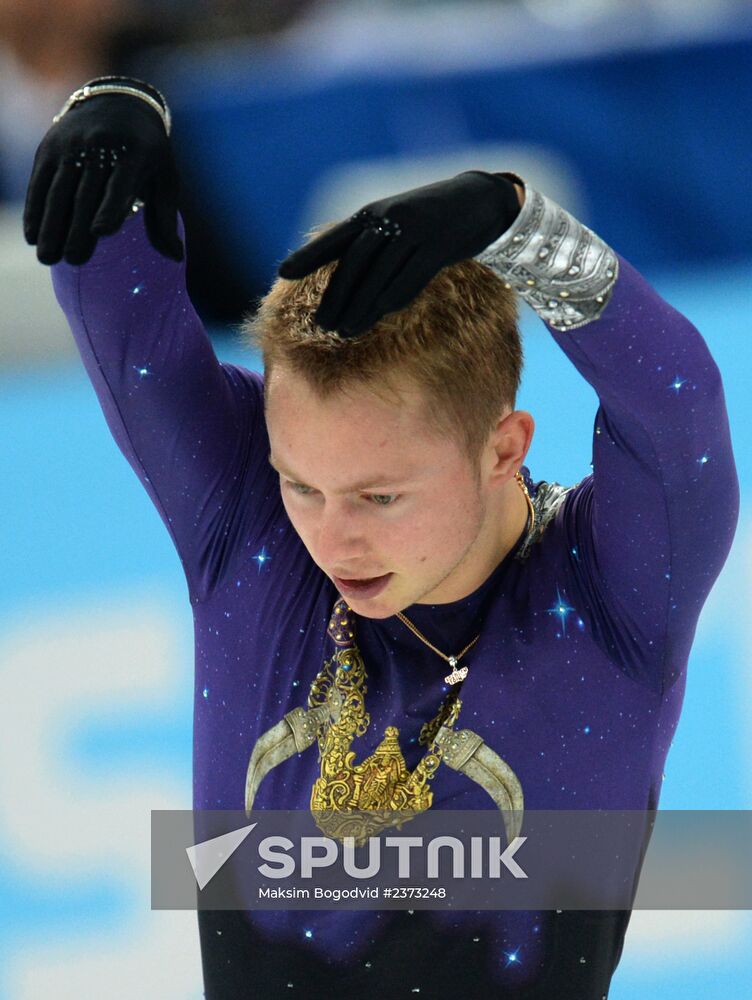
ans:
(371, 489)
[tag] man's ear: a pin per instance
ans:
(510, 442)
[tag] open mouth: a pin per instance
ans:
(363, 587)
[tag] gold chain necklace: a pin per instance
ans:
(459, 673)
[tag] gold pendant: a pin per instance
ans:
(361, 799)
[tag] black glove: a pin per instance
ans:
(90, 167)
(390, 250)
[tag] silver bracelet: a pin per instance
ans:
(555, 263)
(93, 89)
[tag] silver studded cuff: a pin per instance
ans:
(555, 263)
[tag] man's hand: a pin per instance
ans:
(390, 250)
(90, 167)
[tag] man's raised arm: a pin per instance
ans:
(185, 423)
(653, 525)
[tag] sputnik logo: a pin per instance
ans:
(208, 857)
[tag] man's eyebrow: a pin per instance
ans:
(382, 480)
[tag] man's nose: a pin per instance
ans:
(340, 542)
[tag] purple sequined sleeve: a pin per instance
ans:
(185, 423)
(656, 519)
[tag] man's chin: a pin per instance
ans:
(383, 606)
(378, 608)
(374, 613)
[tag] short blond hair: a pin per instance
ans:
(458, 341)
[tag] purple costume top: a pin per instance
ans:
(585, 626)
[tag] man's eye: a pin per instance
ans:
(384, 499)
(378, 499)
(298, 488)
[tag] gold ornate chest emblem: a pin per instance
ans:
(359, 799)
(381, 785)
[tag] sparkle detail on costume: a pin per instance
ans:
(555, 263)
(561, 609)
(378, 224)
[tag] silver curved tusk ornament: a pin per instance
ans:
(464, 751)
(294, 733)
